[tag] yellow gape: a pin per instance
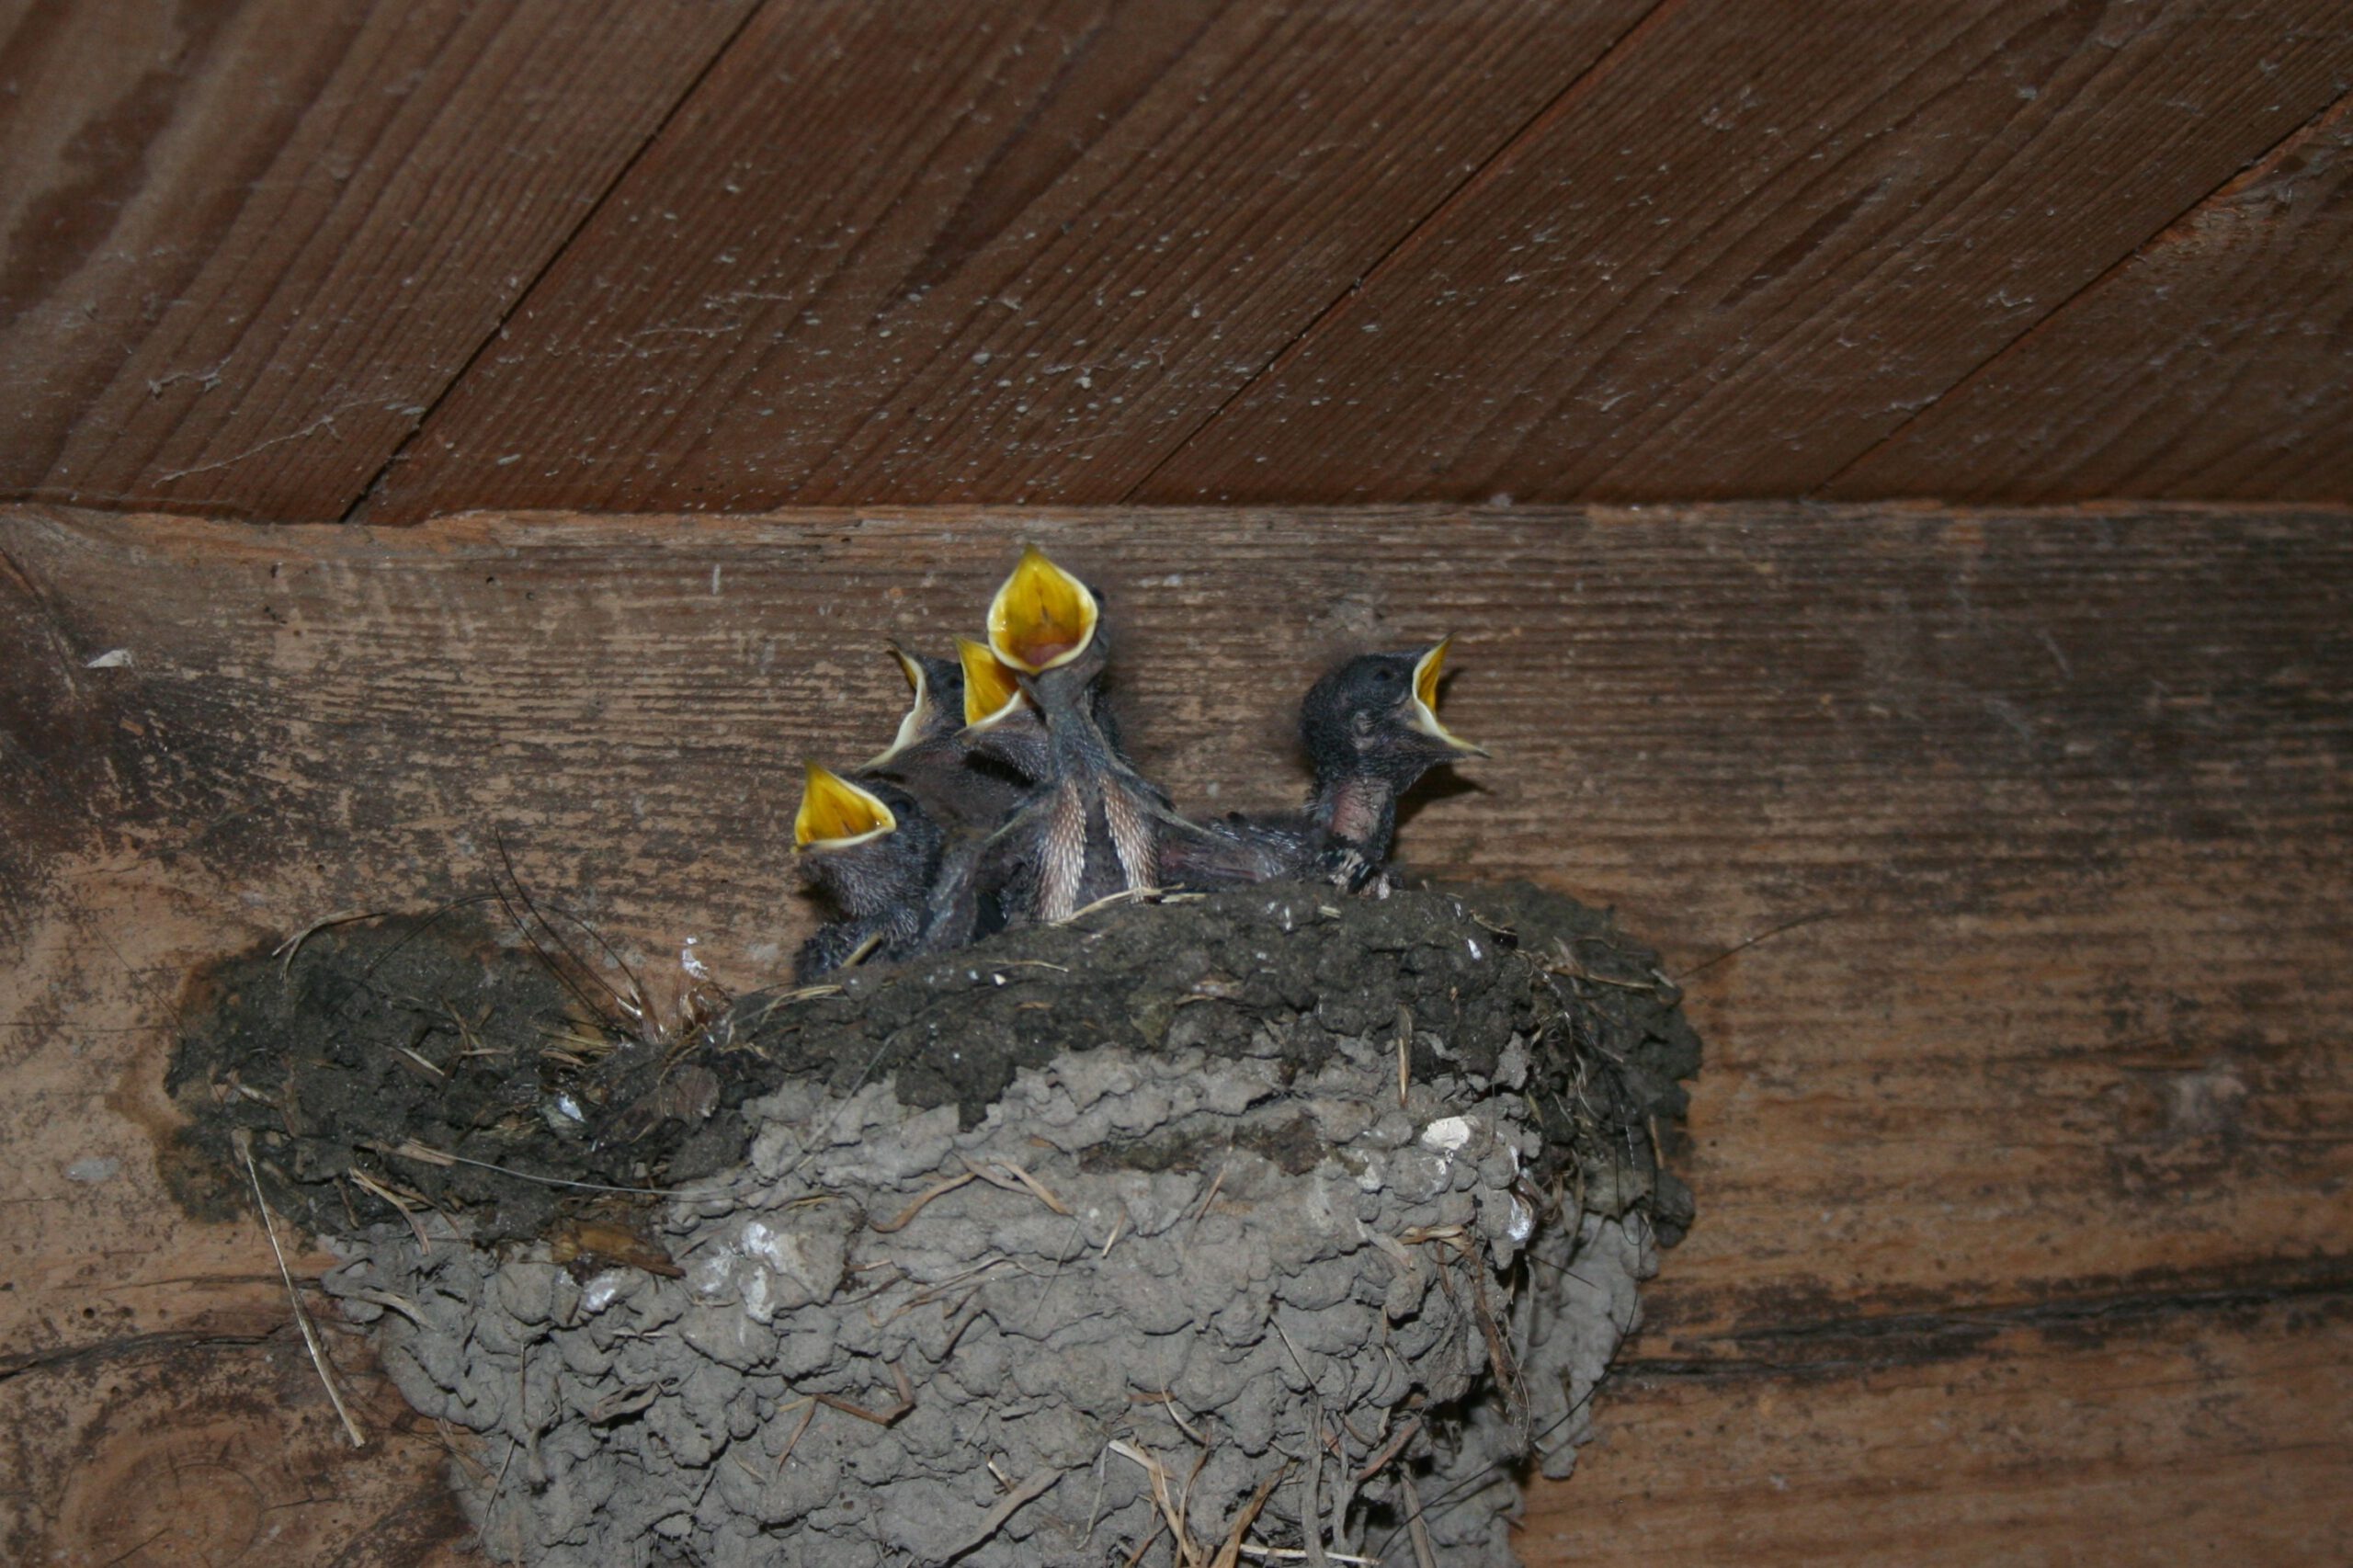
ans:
(918, 708)
(1425, 673)
(836, 812)
(1042, 618)
(991, 691)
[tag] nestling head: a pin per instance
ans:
(1377, 716)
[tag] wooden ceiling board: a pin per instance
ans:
(247, 244)
(2216, 363)
(302, 262)
(1757, 239)
(1014, 252)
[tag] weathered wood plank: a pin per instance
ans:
(979, 250)
(2216, 1435)
(1748, 247)
(248, 244)
(216, 1447)
(987, 255)
(2061, 798)
(2052, 796)
(2217, 363)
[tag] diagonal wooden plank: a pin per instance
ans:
(979, 250)
(247, 244)
(1757, 239)
(2216, 363)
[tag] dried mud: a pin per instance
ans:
(951, 1257)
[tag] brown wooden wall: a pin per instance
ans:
(311, 259)
(2002, 855)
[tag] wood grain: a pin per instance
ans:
(1075, 251)
(246, 245)
(2150, 1437)
(979, 250)
(1757, 238)
(2032, 825)
(162, 1450)
(2217, 362)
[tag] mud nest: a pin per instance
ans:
(1270, 1217)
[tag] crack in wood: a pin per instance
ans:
(522, 296)
(2026, 335)
(1868, 1343)
(1406, 242)
(126, 1345)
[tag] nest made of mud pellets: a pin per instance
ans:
(1271, 1217)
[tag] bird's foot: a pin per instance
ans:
(1347, 866)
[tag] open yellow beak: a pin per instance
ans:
(836, 812)
(918, 708)
(1043, 617)
(1426, 672)
(991, 688)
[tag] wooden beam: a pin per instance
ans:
(2215, 1434)
(264, 259)
(1999, 852)
(249, 244)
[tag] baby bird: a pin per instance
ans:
(1093, 827)
(966, 787)
(876, 852)
(1370, 729)
(1004, 796)
(973, 778)
(935, 705)
(1002, 728)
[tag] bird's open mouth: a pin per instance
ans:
(836, 812)
(1042, 618)
(991, 688)
(1426, 670)
(918, 708)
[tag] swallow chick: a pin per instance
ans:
(1093, 826)
(876, 853)
(1370, 729)
(935, 706)
(973, 779)
(1002, 726)
(943, 754)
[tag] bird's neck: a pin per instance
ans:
(1357, 809)
(1066, 701)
